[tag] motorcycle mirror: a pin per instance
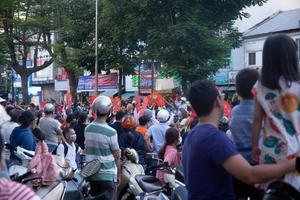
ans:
(69, 174)
(90, 168)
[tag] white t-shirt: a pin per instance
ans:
(6, 131)
(71, 154)
(7, 128)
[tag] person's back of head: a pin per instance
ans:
(279, 60)
(171, 138)
(144, 120)
(245, 81)
(120, 115)
(15, 115)
(49, 109)
(70, 118)
(128, 123)
(26, 118)
(9, 108)
(203, 95)
(82, 117)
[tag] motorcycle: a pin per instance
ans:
(279, 190)
(136, 185)
(71, 186)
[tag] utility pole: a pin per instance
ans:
(96, 49)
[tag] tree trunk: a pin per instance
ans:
(73, 81)
(24, 81)
(120, 82)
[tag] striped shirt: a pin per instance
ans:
(101, 140)
(10, 190)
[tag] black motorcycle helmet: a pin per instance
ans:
(281, 191)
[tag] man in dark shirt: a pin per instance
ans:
(79, 129)
(117, 124)
(210, 157)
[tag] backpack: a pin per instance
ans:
(65, 149)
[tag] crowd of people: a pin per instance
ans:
(259, 145)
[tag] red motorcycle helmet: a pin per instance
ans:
(128, 122)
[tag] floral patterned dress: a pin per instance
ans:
(281, 125)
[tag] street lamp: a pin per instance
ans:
(96, 48)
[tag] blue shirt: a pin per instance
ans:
(240, 126)
(205, 150)
(157, 132)
(22, 137)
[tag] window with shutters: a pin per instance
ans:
(252, 58)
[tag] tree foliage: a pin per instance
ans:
(27, 27)
(193, 38)
(74, 22)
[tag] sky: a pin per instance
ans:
(259, 13)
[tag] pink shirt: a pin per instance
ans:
(171, 156)
(10, 190)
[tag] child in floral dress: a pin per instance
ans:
(277, 109)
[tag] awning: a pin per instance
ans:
(127, 95)
(109, 93)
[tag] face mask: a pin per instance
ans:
(73, 138)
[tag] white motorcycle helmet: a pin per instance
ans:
(4, 117)
(102, 105)
(131, 154)
(49, 107)
(163, 115)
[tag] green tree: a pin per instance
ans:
(26, 26)
(193, 38)
(74, 22)
(121, 32)
(3, 52)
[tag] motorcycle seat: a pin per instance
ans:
(148, 183)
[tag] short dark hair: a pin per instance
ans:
(15, 115)
(26, 118)
(66, 130)
(120, 115)
(70, 118)
(143, 120)
(202, 96)
(82, 117)
(245, 81)
(279, 59)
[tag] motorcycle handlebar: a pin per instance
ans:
(10, 147)
(14, 150)
(24, 176)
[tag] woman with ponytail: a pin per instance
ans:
(168, 152)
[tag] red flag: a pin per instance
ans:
(116, 104)
(156, 99)
(42, 104)
(138, 102)
(227, 109)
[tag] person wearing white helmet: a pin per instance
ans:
(51, 127)
(156, 133)
(102, 144)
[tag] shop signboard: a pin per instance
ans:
(88, 83)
